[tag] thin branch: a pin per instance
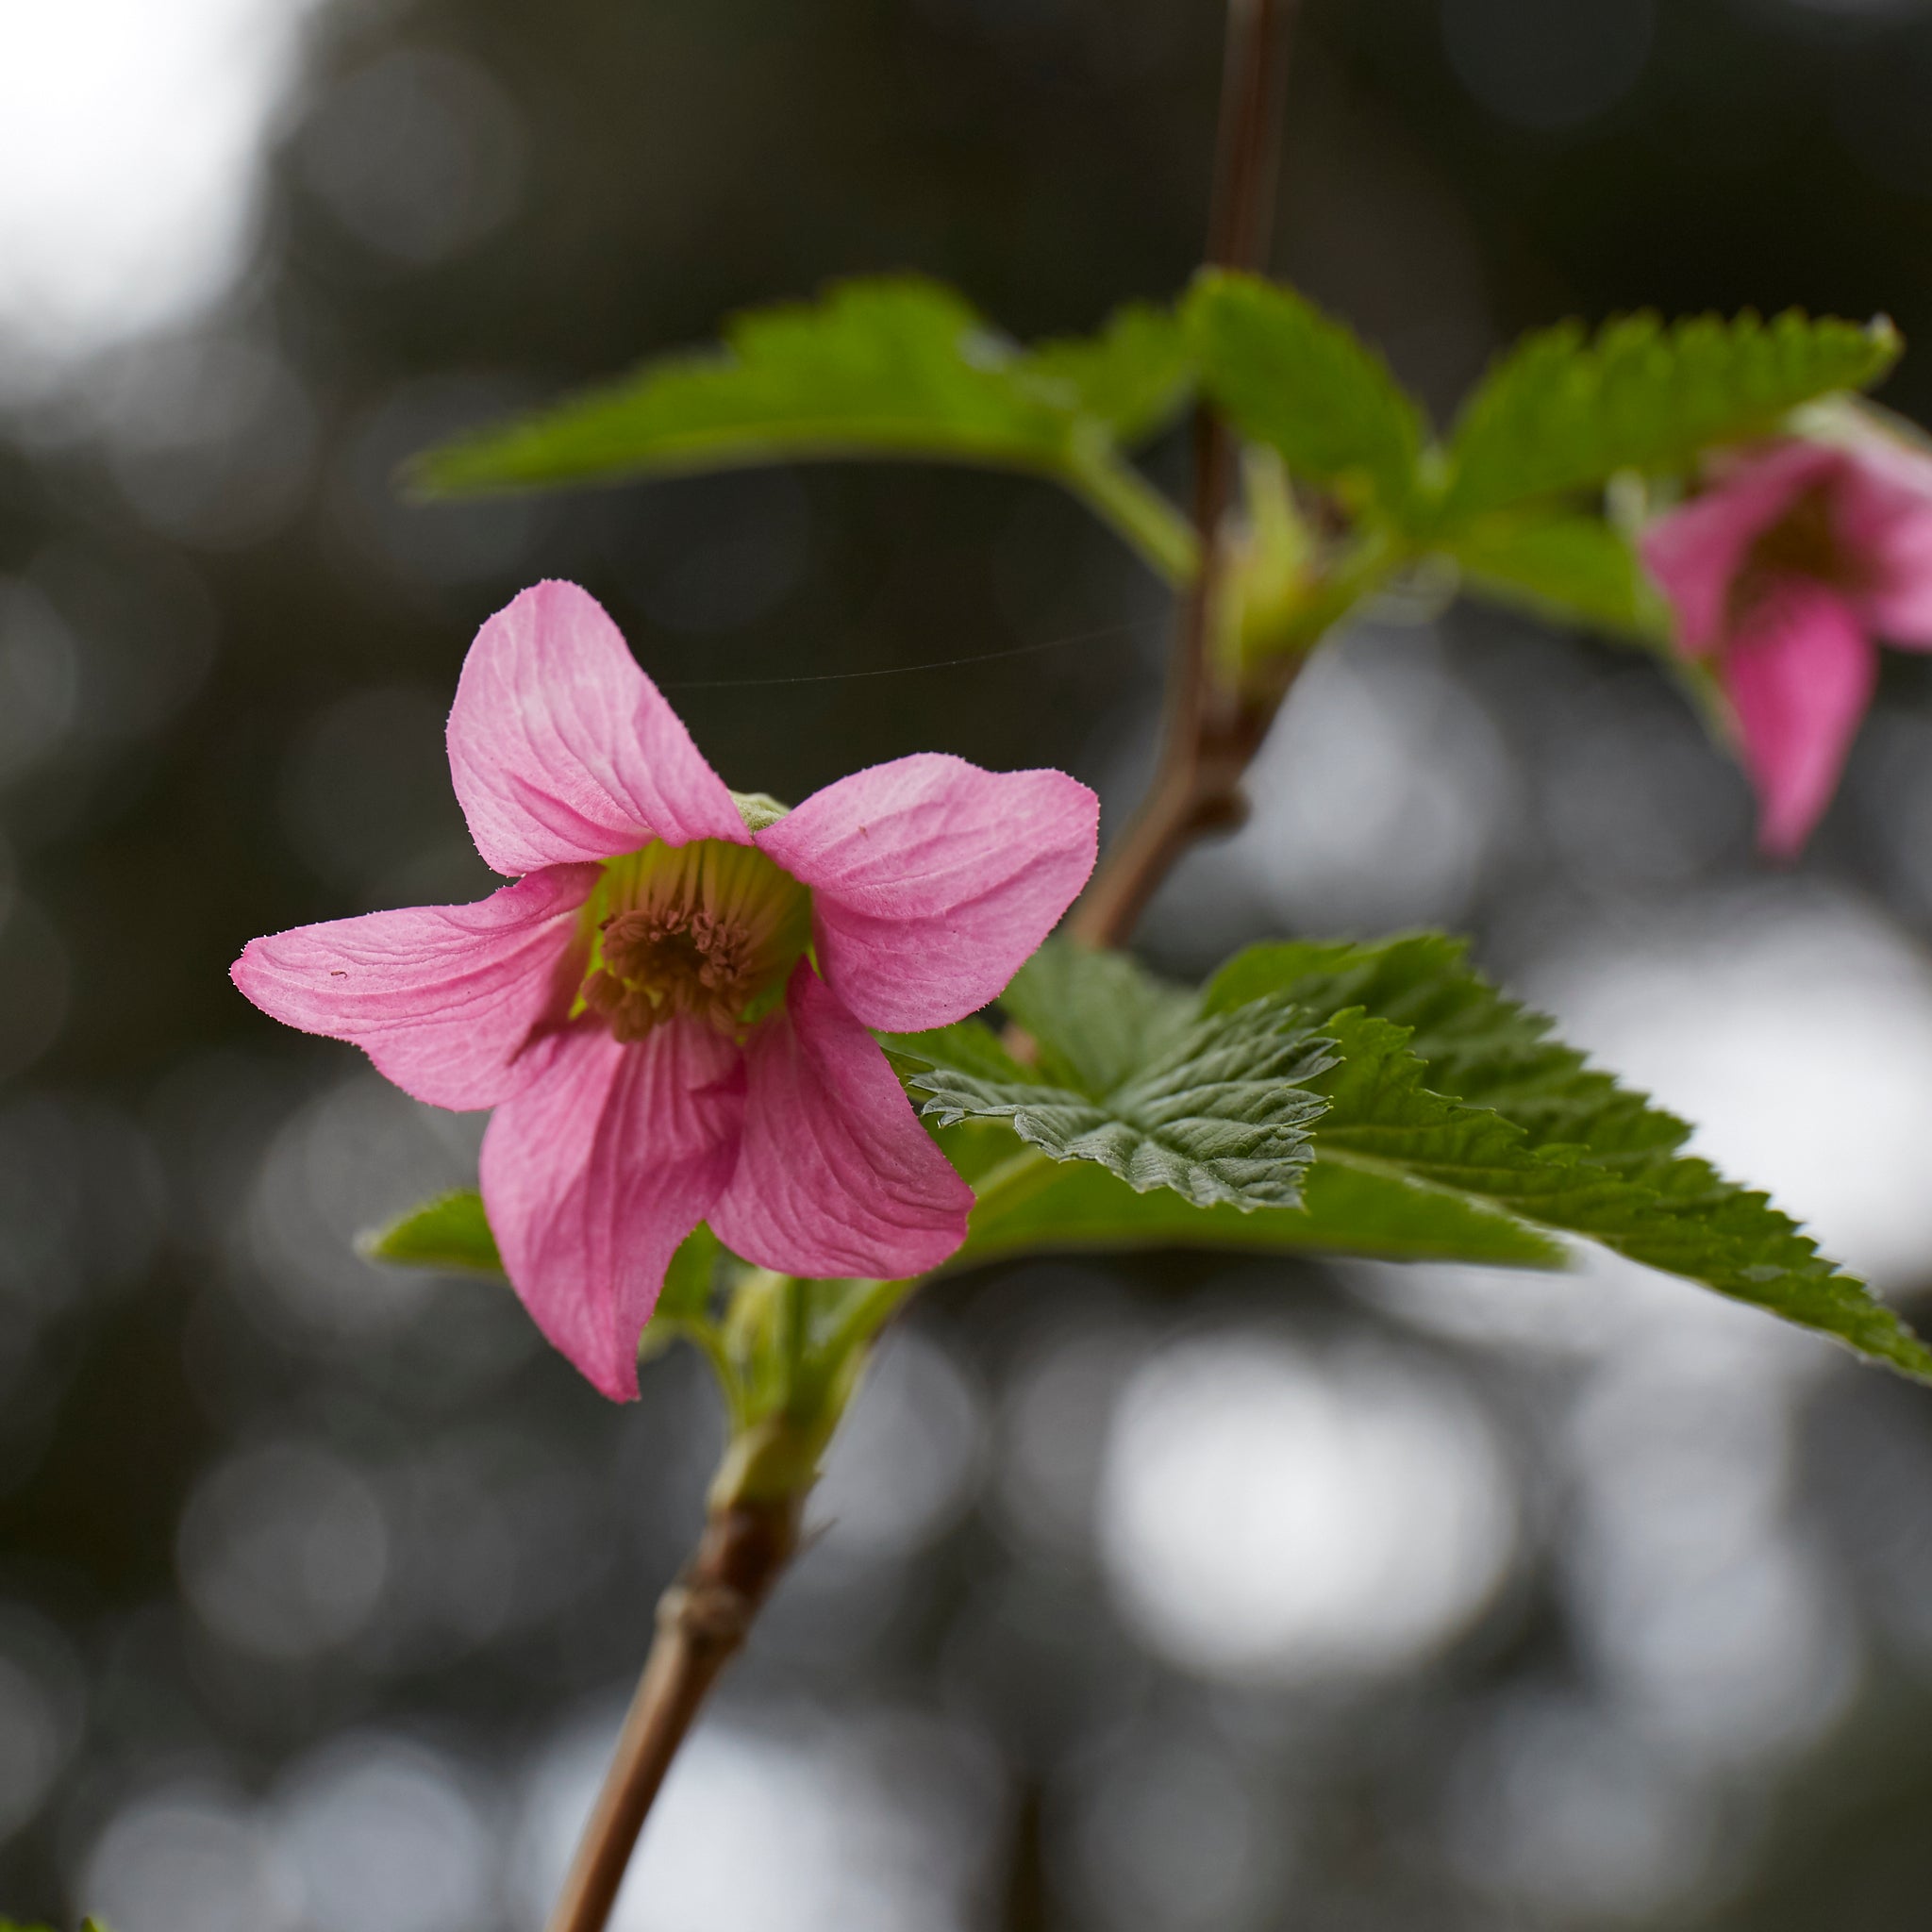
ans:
(1207, 740)
(702, 1622)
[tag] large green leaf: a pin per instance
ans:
(887, 367)
(1290, 377)
(1565, 411)
(1219, 1114)
(1534, 1130)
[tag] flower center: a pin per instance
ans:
(1804, 543)
(708, 930)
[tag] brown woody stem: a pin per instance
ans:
(702, 1622)
(1209, 733)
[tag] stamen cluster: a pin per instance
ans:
(704, 930)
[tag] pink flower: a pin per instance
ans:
(1783, 572)
(668, 1009)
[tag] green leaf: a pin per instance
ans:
(1290, 377)
(888, 367)
(1095, 1016)
(970, 1046)
(1134, 376)
(450, 1233)
(1533, 1129)
(1562, 412)
(1565, 566)
(1344, 1211)
(1219, 1114)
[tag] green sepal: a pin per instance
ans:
(689, 1280)
(759, 809)
(451, 1233)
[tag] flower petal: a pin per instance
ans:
(934, 881)
(563, 749)
(595, 1172)
(445, 999)
(836, 1176)
(1800, 673)
(1694, 551)
(1886, 516)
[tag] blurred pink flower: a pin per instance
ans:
(668, 1009)
(1783, 572)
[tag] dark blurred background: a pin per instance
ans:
(1165, 1597)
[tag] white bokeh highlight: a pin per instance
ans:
(854, 1820)
(189, 1858)
(1794, 1028)
(382, 1834)
(1271, 1512)
(1377, 799)
(907, 1458)
(130, 134)
(283, 1551)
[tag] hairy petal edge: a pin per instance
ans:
(450, 1001)
(933, 881)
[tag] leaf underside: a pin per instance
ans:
(1344, 1210)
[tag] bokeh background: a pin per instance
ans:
(1165, 1597)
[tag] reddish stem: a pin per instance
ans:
(1210, 734)
(702, 1621)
